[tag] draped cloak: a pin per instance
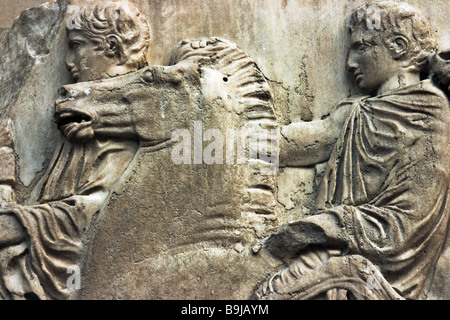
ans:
(58, 218)
(385, 195)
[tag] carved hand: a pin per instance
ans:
(11, 231)
(292, 238)
(197, 44)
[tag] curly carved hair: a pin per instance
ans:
(100, 20)
(399, 19)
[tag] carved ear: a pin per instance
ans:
(399, 46)
(114, 47)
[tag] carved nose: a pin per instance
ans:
(352, 65)
(69, 62)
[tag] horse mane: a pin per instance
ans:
(256, 109)
(252, 89)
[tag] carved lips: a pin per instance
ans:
(359, 76)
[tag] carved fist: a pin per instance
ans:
(11, 232)
(292, 238)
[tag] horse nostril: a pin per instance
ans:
(444, 55)
(63, 93)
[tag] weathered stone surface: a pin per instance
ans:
(8, 161)
(3, 32)
(147, 225)
(6, 134)
(31, 52)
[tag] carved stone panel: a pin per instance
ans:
(224, 150)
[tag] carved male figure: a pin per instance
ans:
(382, 210)
(106, 40)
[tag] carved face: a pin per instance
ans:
(85, 60)
(370, 61)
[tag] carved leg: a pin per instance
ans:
(304, 264)
(335, 277)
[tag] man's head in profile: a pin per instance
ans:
(389, 46)
(106, 39)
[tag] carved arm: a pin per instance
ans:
(304, 144)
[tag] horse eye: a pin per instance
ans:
(148, 76)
